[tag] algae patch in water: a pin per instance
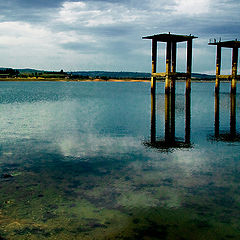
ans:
(68, 200)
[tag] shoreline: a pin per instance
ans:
(94, 80)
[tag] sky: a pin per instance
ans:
(107, 34)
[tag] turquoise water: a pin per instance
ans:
(77, 161)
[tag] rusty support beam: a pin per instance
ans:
(172, 74)
(225, 77)
(159, 74)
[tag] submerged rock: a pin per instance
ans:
(6, 175)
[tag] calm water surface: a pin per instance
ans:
(77, 161)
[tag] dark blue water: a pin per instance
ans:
(77, 162)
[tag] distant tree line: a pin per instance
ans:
(76, 76)
(9, 72)
(79, 76)
(45, 74)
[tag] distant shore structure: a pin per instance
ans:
(234, 44)
(171, 75)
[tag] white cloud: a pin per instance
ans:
(92, 145)
(19, 33)
(192, 7)
(93, 14)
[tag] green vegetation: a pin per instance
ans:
(8, 72)
(38, 74)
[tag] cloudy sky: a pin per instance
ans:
(107, 34)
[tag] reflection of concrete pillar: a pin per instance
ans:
(168, 67)
(187, 117)
(233, 115)
(154, 65)
(173, 113)
(218, 68)
(167, 117)
(234, 70)
(216, 123)
(189, 65)
(153, 118)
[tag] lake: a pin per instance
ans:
(92, 160)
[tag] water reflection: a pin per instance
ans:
(170, 141)
(71, 180)
(232, 135)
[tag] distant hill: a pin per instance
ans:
(203, 76)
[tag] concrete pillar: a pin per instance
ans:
(174, 63)
(233, 115)
(168, 66)
(218, 68)
(154, 65)
(189, 65)
(234, 70)
(188, 117)
(216, 123)
(174, 56)
(153, 118)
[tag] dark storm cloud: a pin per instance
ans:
(31, 4)
(223, 29)
(29, 10)
(26, 10)
(38, 4)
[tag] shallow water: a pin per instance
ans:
(78, 161)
